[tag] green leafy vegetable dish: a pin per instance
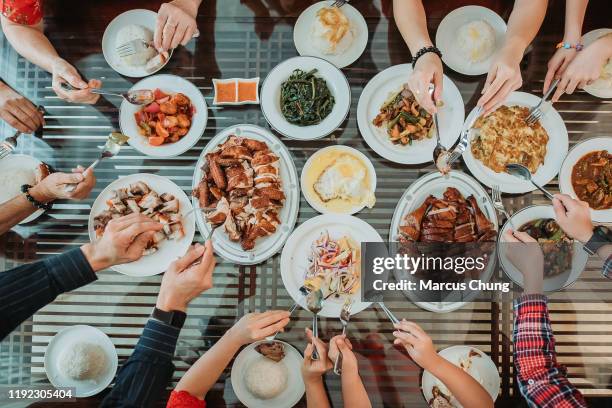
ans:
(305, 99)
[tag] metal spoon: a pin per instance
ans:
(520, 171)
(111, 148)
(313, 303)
(135, 97)
(439, 149)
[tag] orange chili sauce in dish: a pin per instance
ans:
(226, 91)
(247, 91)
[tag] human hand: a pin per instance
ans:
(313, 370)
(53, 187)
(341, 345)
(176, 24)
(123, 241)
(557, 65)
(584, 69)
(574, 217)
(428, 70)
(525, 253)
(62, 73)
(417, 343)
(18, 111)
(504, 77)
(186, 278)
(257, 326)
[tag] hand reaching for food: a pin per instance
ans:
(428, 70)
(18, 111)
(417, 343)
(53, 187)
(62, 73)
(176, 24)
(557, 65)
(186, 278)
(124, 240)
(257, 326)
(504, 77)
(526, 255)
(313, 370)
(573, 216)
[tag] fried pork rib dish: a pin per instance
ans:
(404, 119)
(452, 218)
(592, 179)
(242, 183)
(505, 137)
(140, 198)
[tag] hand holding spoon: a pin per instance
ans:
(440, 153)
(135, 97)
(520, 171)
(313, 303)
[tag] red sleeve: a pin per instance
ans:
(26, 12)
(183, 399)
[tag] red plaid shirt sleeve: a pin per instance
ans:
(541, 380)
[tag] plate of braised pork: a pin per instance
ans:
(161, 200)
(171, 124)
(440, 209)
(247, 187)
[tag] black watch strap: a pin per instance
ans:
(174, 318)
(601, 236)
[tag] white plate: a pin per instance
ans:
(313, 200)
(575, 154)
(593, 89)
(446, 38)
(556, 149)
(170, 84)
(378, 90)
(265, 247)
(18, 162)
(485, 367)
(168, 250)
(302, 33)
(142, 17)
(295, 384)
(435, 183)
(294, 258)
(553, 283)
(65, 338)
(336, 82)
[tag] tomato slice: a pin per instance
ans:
(153, 107)
(156, 140)
(159, 94)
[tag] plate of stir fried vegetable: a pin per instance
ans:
(396, 127)
(325, 253)
(305, 98)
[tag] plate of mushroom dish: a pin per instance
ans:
(158, 198)
(586, 174)
(439, 210)
(247, 189)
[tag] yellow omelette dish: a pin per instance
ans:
(504, 137)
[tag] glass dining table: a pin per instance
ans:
(247, 39)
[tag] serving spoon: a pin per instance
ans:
(520, 171)
(440, 153)
(135, 97)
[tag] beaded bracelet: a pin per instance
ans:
(26, 190)
(424, 51)
(567, 46)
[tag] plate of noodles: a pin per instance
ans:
(325, 252)
(468, 38)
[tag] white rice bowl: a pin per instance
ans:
(266, 378)
(320, 41)
(135, 32)
(82, 361)
(12, 179)
(476, 40)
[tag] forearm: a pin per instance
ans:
(524, 24)
(574, 17)
(144, 377)
(465, 388)
(411, 21)
(14, 211)
(26, 289)
(203, 375)
(316, 397)
(353, 392)
(31, 43)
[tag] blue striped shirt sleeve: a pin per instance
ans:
(26, 289)
(145, 375)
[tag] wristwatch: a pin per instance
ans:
(174, 318)
(601, 236)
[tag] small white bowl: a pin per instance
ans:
(66, 338)
(314, 201)
(170, 84)
(336, 82)
(12, 163)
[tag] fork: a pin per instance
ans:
(339, 3)
(463, 141)
(499, 204)
(133, 47)
(535, 113)
(8, 145)
(345, 316)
